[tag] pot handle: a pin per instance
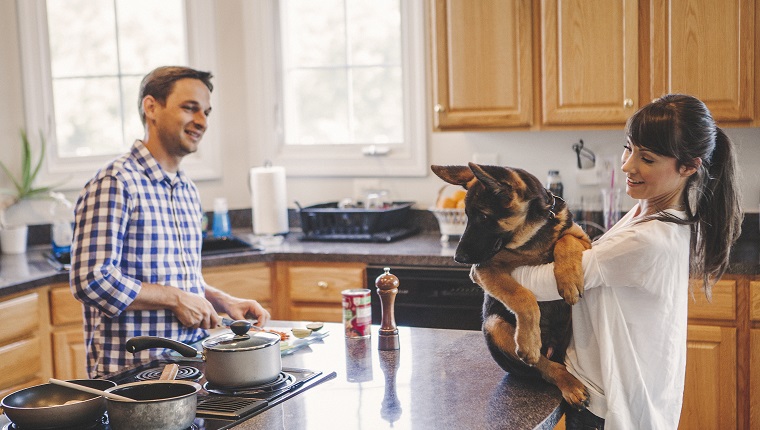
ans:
(139, 343)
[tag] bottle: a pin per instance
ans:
(554, 183)
(221, 224)
(61, 235)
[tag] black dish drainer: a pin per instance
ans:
(328, 221)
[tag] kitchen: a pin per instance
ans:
(535, 150)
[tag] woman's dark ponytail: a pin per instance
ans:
(718, 214)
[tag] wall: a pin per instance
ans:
(536, 152)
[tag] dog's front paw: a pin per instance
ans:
(528, 346)
(571, 291)
(573, 391)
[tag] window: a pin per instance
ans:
(337, 86)
(83, 62)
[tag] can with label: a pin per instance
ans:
(357, 312)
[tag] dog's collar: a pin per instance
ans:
(554, 198)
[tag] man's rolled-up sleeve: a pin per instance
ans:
(101, 217)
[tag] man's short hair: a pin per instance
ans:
(159, 83)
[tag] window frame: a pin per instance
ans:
(265, 100)
(39, 110)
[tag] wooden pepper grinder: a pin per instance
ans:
(387, 288)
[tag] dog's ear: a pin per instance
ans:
(455, 175)
(489, 177)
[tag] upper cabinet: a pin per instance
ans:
(558, 64)
(589, 61)
(482, 63)
(704, 48)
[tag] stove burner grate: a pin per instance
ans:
(228, 407)
(283, 380)
(185, 373)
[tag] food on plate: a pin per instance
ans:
(301, 332)
(315, 326)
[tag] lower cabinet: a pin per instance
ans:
(312, 291)
(248, 281)
(24, 343)
(710, 391)
(67, 334)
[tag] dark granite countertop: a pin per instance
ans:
(30, 270)
(438, 379)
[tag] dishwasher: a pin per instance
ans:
(430, 296)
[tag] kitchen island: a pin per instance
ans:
(438, 379)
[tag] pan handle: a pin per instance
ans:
(139, 343)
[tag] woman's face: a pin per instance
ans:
(653, 178)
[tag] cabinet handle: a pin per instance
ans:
(439, 108)
(322, 284)
(628, 103)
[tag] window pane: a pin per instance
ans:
(374, 28)
(313, 33)
(133, 128)
(88, 117)
(98, 56)
(376, 100)
(151, 34)
(342, 71)
(82, 38)
(316, 103)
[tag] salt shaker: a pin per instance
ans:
(387, 288)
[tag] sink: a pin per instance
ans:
(225, 245)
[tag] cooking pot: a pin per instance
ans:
(233, 360)
(158, 404)
(44, 406)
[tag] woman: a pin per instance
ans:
(629, 329)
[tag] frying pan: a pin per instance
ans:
(159, 404)
(43, 406)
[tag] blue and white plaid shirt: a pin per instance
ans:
(134, 224)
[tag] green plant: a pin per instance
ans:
(25, 184)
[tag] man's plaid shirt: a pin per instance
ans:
(134, 224)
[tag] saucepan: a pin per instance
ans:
(158, 404)
(49, 406)
(233, 360)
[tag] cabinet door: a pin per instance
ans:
(70, 356)
(705, 48)
(589, 57)
(248, 281)
(482, 63)
(754, 379)
(314, 289)
(710, 392)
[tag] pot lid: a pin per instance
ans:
(234, 342)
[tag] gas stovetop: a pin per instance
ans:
(219, 408)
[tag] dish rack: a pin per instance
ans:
(450, 221)
(328, 221)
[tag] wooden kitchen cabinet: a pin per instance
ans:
(67, 334)
(703, 48)
(482, 63)
(512, 64)
(754, 355)
(248, 281)
(313, 290)
(710, 392)
(24, 343)
(589, 61)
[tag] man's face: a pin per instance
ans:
(180, 124)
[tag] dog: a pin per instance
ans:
(512, 220)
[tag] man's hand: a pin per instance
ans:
(191, 310)
(236, 307)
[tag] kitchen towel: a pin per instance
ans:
(269, 200)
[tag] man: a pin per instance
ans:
(136, 262)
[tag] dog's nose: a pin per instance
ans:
(462, 257)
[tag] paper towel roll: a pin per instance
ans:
(269, 205)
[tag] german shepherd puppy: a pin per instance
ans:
(512, 220)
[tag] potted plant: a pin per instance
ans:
(13, 235)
